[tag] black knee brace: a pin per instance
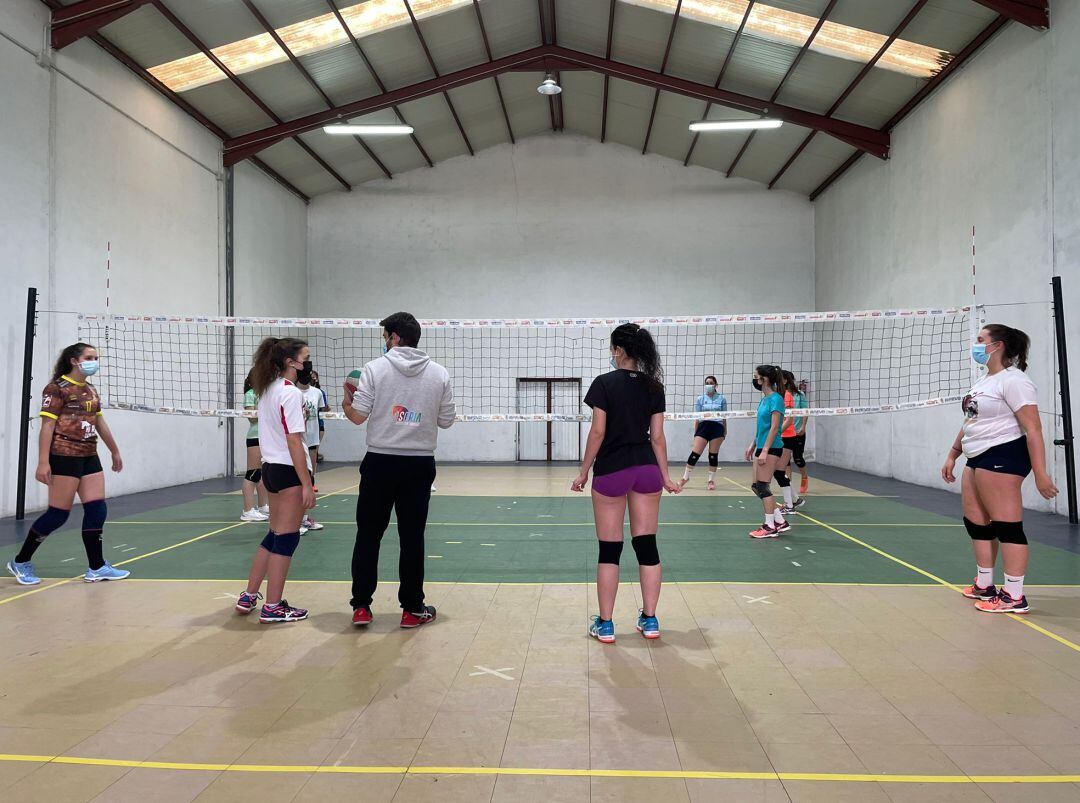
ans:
(762, 489)
(645, 547)
(94, 514)
(48, 522)
(284, 544)
(610, 552)
(1009, 532)
(253, 475)
(799, 460)
(693, 458)
(979, 532)
(782, 479)
(714, 459)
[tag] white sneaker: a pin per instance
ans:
(434, 489)
(253, 515)
(310, 523)
(265, 510)
(303, 530)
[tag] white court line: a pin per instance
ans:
(793, 563)
(496, 672)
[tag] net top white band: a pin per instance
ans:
(735, 319)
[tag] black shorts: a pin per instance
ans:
(63, 465)
(253, 442)
(710, 430)
(797, 445)
(773, 452)
(278, 477)
(1005, 458)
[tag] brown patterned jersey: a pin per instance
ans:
(75, 407)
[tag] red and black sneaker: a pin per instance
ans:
(422, 617)
(362, 616)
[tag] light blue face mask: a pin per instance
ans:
(710, 390)
(89, 367)
(614, 365)
(978, 353)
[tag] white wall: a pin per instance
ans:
(556, 225)
(998, 148)
(90, 155)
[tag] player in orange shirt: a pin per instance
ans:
(71, 423)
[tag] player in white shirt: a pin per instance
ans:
(314, 403)
(1003, 442)
(286, 472)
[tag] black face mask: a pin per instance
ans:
(756, 383)
(303, 375)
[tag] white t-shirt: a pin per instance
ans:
(313, 400)
(990, 410)
(281, 411)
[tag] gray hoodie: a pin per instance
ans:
(407, 398)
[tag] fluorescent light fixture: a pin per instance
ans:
(734, 125)
(548, 86)
(368, 130)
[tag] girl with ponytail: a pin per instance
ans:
(627, 452)
(1003, 442)
(286, 471)
(767, 448)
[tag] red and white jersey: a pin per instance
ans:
(281, 412)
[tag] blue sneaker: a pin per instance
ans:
(602, 631)
(648, 626)
(106, 572)
(24, 573)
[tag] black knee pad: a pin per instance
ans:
(782, 479)
(48, 522)
(285, 544)
(693, 458)
(94, 514)
(714, 459)
(799, 461)
(979, 532)
(610, 552)
(1009, 532)
(762, 489)
(253, 475)
(645, 547)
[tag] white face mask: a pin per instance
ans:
(710, 390)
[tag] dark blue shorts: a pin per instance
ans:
(1005, 458)
(710, 430)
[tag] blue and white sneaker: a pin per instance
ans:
(648, 626)
(24, 573)
(106, 572)
(603, 631)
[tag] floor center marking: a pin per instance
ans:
(496, 672)
(751, 600)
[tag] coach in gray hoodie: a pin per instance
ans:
(405, 398)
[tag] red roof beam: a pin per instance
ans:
(434, 69)
(663, 67)
(309, 78)
(71, 23)
(859, 136)
(607, 78)
(1032, 14)
(779, 87)
(915, 9)
(487, 49)
(191, 37)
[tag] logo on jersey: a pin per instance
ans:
(971, 407)
(402, 415)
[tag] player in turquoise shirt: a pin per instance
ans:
(767, 448)
(710, 432)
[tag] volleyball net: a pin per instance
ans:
(850, 362)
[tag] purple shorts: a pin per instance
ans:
(639, 479)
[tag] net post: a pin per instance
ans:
(1066, 400)
(230, 331)
(24, 407)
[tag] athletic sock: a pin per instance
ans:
(777, 518)
(1014, 585)
(712, 475)
(29, 547)
(94, 548)
(788, 495)
(686, 473)
(985, 577)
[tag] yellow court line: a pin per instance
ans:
(330, 769)
(1016, 617)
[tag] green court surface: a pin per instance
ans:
(551, 539)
